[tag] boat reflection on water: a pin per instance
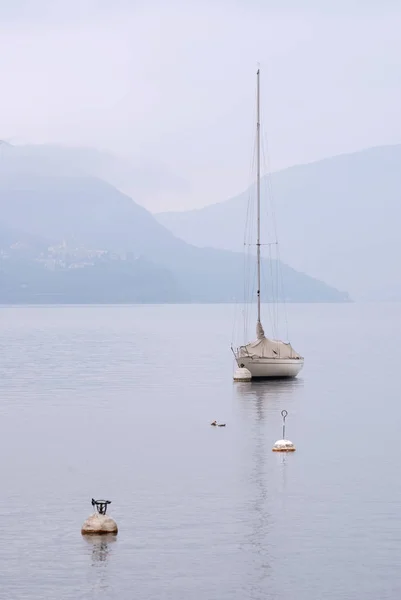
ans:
(263, 396)
(258, 405)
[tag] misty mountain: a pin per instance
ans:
(29, 244)
(136, 177)
(27, 281)
(338, 220)
(89, 212)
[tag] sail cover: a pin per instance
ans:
(263, 347)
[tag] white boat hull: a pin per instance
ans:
(270, 368)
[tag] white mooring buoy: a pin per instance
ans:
(99, 523)
(283, 445)
(242, 374)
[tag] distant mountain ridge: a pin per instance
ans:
(338, 219)
(139, 179)
(48, 207)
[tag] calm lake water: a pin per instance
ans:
(116, 402)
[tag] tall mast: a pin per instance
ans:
(258, 182)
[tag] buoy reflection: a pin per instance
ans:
(101, 546)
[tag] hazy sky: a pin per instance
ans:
(175, 81)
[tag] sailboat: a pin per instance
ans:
(264, 357)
